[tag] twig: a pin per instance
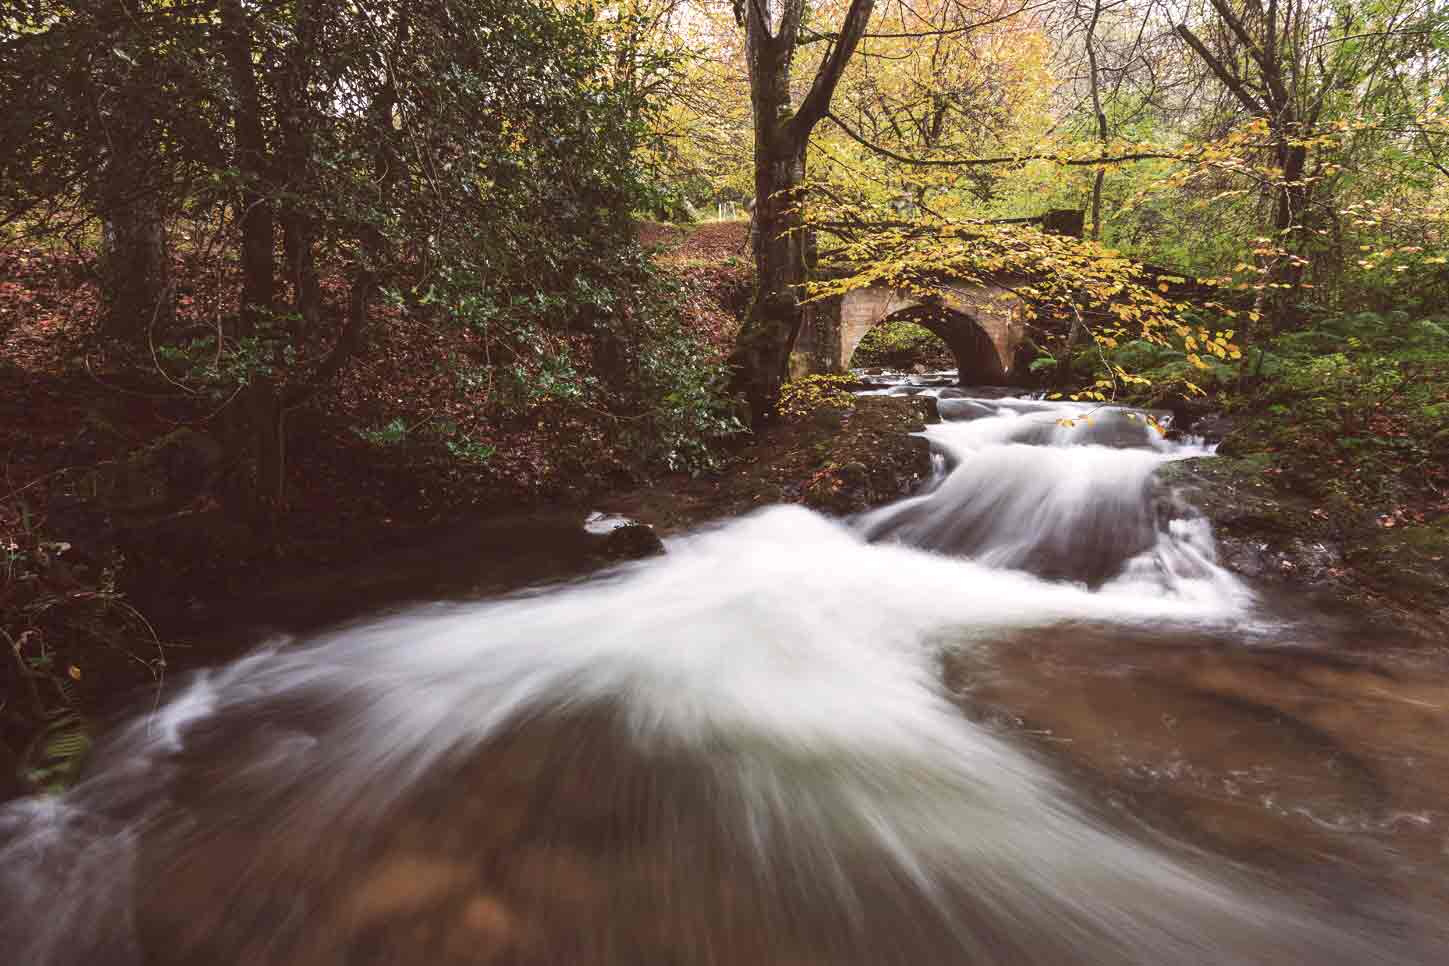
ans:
(158, 670)
(25, 672)
(122, 389)
(41, 479)
(151, 341)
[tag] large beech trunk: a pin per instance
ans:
(762, 353)
(782, 138)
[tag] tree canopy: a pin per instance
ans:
(1290, 153)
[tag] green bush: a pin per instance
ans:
(68, 635)
(1356, 404)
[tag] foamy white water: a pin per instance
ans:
(794, 666)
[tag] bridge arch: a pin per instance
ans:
(980, 324)
(974, 353)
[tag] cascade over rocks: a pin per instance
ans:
(904, 721)
(1287, 539)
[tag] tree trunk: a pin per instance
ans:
(762, 353)
(135, 272)
(298, 250)
(135, 275)
(298, 223)
(1101, 116)
(1290, 209)
(257, 259)
(1271, 99)
(262, 434)
(265, 417)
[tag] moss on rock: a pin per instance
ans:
(1271, 528)
(835, 460)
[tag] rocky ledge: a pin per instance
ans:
(1274, 536)
(837, 460)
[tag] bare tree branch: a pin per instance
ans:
(1000, 159)
(1230, 80)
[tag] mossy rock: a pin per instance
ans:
(1325, 546)
(1262, 534)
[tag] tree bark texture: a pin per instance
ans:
(135, 273)
(298, 222)
(135, 269)
(762, 353)
(261, 434)
(257, 226)
(1094, 79)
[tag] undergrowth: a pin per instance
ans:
(71, 640)
(1357, 406)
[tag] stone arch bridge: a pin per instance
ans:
(982, 325)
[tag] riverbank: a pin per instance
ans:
(1332, 478)
(126, 509)
(835, 460)
(838, 461)
(115, 622)
(1278, 532)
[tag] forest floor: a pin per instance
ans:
(72, 417)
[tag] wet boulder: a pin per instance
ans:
(928, 408)
(1213, 428)
(1261, 532)
(618, 537)
(634, 541)
(960, 410)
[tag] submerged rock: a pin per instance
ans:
(622, 538)
(633, 541)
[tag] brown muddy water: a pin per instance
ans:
(1024, 717)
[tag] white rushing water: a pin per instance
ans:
(793, 661)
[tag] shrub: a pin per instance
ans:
(69, 636)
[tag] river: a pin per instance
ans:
(1024, 717)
